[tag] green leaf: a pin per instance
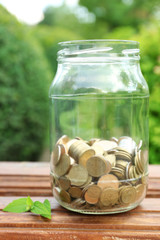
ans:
(47, 204)
(40, 208)
(29, 203)
(17, 206)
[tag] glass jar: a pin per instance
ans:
(99, 127)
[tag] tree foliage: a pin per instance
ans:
(123, 12)
(24, 78)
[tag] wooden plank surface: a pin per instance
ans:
(17, 179)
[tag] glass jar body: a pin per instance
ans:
(99, 135)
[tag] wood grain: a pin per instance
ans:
(71, 234)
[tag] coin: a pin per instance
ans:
(92, 194)
(89, 180)
(70, 142)
(96, 166)
(122, 154)
(114, 139)
(78, 138)
(139, 145)
(109, 196)
(75, 192)
(127, 143)
(121, 164)
(52, 181)
(93, 140)
(63, 166)
(144, 180)
(142, 163)
(85, 156)
(97, 174)
(98, 149)
(78, 175)
(56, 192)
(80, 151)
(108, 181)
(107, 145)
(127, 170)
(64, 196)
(127, 194)
(140, 191)
(56, 154)
(111, 158)
(64, 183)
(63, 140)
(78, 203)
(118, 172)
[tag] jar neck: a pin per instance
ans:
(99, 51)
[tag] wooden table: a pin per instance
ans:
(22, 179)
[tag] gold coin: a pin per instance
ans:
(140, 191)
(142, 161)
(127, 169)
(111, 158)
(121, 164)
(114, 139)
(122, 155)
(139, 145)
(80, 151)
(63, 166)
(64, 183)
(93, 140)
(63, 140)
(89, 180)
(56, 154)
(96, 166)
(128, 195)
(56, 192)
(52, 181)
(109, 197)
(127, 143)
(107, 145)
(118, 172)
(144, 180)
(64, 196)
(75, 192)
(92, 194)
(78, 175)
(85, 156)
(98, 149)
(108, 181)
(78, 203)
(70, 142)
(78, 138)
(63, 148)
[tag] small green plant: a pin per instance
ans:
(26, 204)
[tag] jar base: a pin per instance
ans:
(106, 211)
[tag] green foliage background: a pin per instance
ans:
(24, 82)
(28, 64)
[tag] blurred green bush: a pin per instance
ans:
(24, 81)
(27, 65)
(49, 37)
(149, 39)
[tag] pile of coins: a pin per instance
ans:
(98, 174)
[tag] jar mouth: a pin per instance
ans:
(99, 48)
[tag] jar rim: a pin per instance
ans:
(98, 41)
(93, 48)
